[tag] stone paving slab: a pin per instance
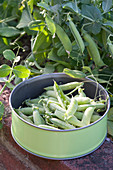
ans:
(11, 155)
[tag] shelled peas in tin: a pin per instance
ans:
(57, 108)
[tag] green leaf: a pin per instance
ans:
(9, 31)
(30, 3)
(87, 68)
(106, 5)
(53, 56)
(110, 114)
(1, 110)
(110, 127)
(50, 24)
(25, 19)
(94, 27)
(49, 68)
(3, 79)
(1, 125)
(21, 71)
(91, 12)
(9, 54)
(108, 23)
(4, 70)
(3, 46)
(10, 85)
(44, 5)
(72, 6)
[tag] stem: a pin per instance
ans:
(3, 88)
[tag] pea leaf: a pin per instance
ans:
(4, 70)
(110, 127)
(1, 125)
(94, 27)
(49, 68)
(108, 23)
(106, 5)
(91, 12)
(53, 56)
(21, 71)
(25, 19)
(9, 54)
(1, 110)
(30, 3)
(44, 5)
(9, 31)
(72, 6)
(110, 114)
(50, 24)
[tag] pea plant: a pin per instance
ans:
(73, 34)
(9, 73)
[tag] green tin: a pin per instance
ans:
(55, 144)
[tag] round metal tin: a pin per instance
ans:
(55, 144)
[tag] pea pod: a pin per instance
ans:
(64, 38)
(51, 25)
(104, 38)
(76, 35)
(72, 119)
(109, 42)
(93, 50)
(48, 127)
(67, 86)
(61, 124)
(39, 40)
(74, 73)
(71, 108)
(26, 110)
(79, 116)
(37, 118)
(87, 115)
(60, 95)
(25, 117)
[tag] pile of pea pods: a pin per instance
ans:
(62, 107)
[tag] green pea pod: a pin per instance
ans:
(38, 42)
(76, 35)
(66, 86)
(64, 38)
(82, 100)
(85, 106)
(74, 73)
(93, 50)
(71, 108)
(48, 127)
(37, 118)
(60, 95)
(109, 42)
(50, 24)
(61, 124)
(104, 38)
(87, 115)
(26, 110)
(81, 93)
(54, 106)
(79, 116)
(25, 117)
